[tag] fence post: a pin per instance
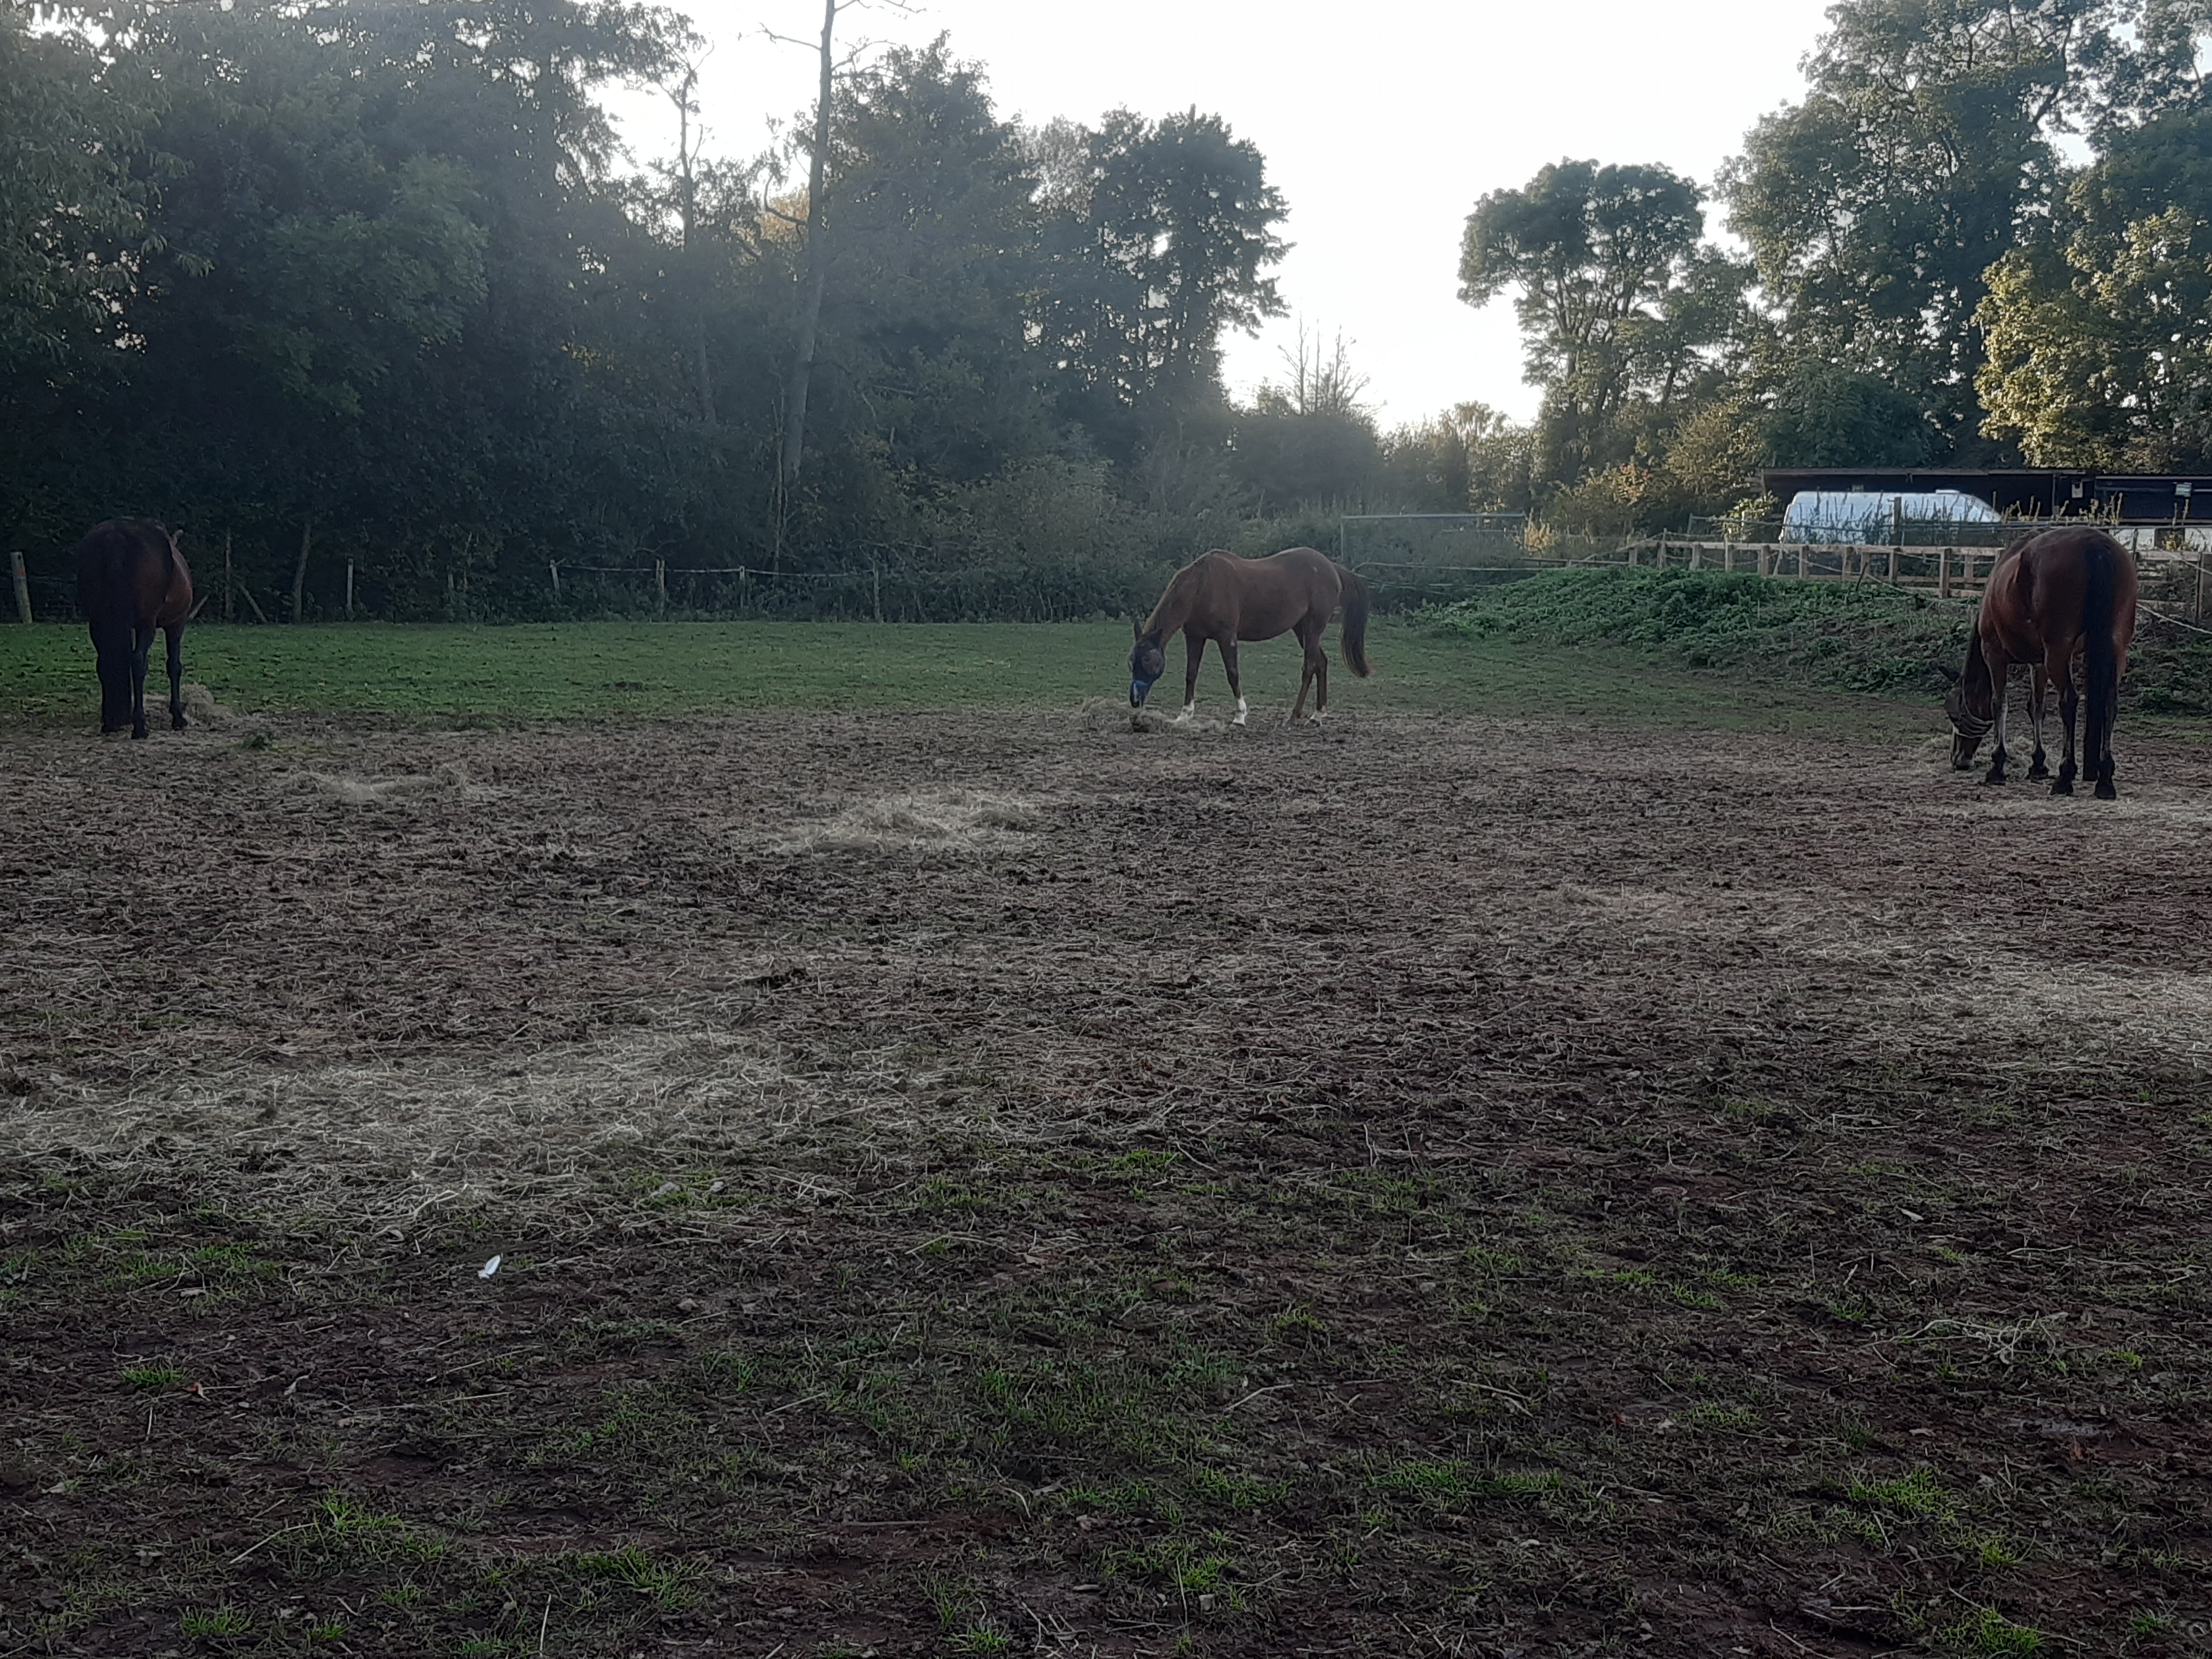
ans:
(2203, 588)
(553, 566)
(1893, 562)
(348, 588)
(1765, 558)
(1800, 560)
(22, 584)
(1728, 556)
(660, 580)
(1943, 573)
(229, 590)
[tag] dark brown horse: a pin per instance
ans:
(2054, 596)
(131, 580)
(1226, 599)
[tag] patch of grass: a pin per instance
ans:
(1448, 1484)
(448, 674)
(214, 1624)
(1862, 637)
(345, 1535)
(1241, 1493)
(1183, 1566)
(1990, 1632)
(1919, 1495)
(1300, 1325)
(151, 1376)
(667, 1583)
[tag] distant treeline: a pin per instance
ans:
(1930, 278)
(372, 281)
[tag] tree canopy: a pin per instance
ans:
(374, 279)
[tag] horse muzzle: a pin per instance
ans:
(1137, 691)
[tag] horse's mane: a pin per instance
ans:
(1174, 599)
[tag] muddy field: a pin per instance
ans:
(1009, 1184)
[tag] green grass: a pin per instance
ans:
(447, 675)
(1860, 637)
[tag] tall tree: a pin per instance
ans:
(70, 218)
(818, 251)
(1603, 259)
(2100, 331)
(1924, 146)
(1160, 235)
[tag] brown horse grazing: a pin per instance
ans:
(2054, 596)
(131, 580)
(1226, 599)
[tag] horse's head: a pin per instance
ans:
(1148, 661)
(1967, 728)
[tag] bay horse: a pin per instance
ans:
(1228, 600)
(131, 580)
(2054, 595)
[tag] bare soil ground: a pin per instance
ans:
(1002, 1183)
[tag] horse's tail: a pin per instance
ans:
(1355, 620)
(2101, 665)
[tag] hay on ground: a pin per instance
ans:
(352, 791)
(950, 821)
(1105, 714)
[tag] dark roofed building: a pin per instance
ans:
(2178, 504)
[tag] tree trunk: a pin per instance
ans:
(688, 206)
(706, 386)
(818, 216)
(300, 570)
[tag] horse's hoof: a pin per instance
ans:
(1993, 776)
(138, 732)
(2105, 792)
(176, 722)
(2038, 774)
(1239, 721)
(2062, 786)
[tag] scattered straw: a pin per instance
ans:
(202, 709)
(344, 786)
(950, 821)
(1104, 715)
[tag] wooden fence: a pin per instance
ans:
(1950, 572)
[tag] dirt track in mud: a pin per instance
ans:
(1006, 1184)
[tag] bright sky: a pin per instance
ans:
(1381, 123)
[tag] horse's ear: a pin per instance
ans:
(1136, 628)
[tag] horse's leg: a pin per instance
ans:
(113, 654)
(1321, 681)
(2037, 770)
(2098, 762)
(1306, 684)
(1194, 651)
(2069, 701)
(142, 641)
(2001, 689)
(176, 633)
(1236, 680)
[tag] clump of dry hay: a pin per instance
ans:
(202, 709)
(948, 821)
(1104, 715)
(387, 1141)
(353, 791)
